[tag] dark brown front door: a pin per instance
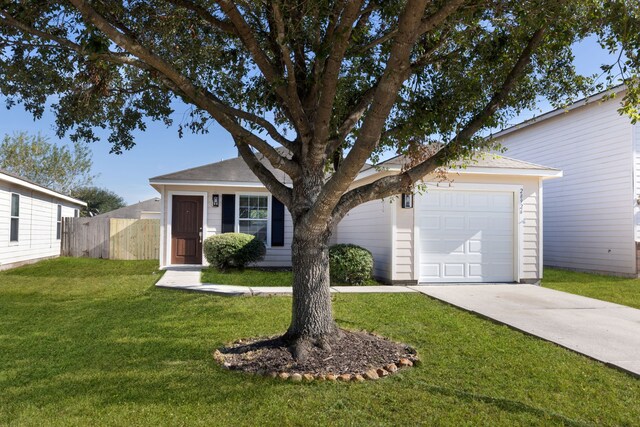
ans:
(186, 230)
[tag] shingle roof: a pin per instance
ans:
(484, 160)
(236, 170)
(134, 211)
(230, 170)
(40, 186)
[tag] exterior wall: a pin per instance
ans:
(37, 225)
(276, 256)
(589, 213)
(530, 249)
(636, 183)
(370, 225)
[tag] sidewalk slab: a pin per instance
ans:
(601, 330)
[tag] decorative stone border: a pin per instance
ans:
(298, 377)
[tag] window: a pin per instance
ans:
(15, 217)
(76, 213)
(253, 215)
(59, 223)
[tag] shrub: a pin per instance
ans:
(350, 264)
(233, 250)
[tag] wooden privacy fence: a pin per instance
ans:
(111, 238)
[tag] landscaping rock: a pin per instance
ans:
(391, 368)
(357, 378)
(307, 377)
(381, 372)
(320, 377)
(296, 378)
(403, 363)
(283, 375)
(330, 377)
(371, 374)
(272, 374)
(345, 377)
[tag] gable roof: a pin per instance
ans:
(23, 182)
(230, 171)
(482, 161)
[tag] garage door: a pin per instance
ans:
(465, 236)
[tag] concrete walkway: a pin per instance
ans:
(188, 279)
(601, 330)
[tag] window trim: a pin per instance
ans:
(12, 217)
(237, 213)
(59, 222)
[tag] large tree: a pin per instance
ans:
(334, 82)
(55, 166)
(99, 200)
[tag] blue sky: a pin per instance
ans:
(158, 150)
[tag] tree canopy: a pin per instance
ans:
(99, 200)
(54, 166)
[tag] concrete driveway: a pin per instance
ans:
(601, 330)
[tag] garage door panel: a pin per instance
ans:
(466, 236)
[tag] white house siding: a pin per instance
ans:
(37, 225)
(369, 226)
(275, 257)
(588, 214)
(404, 258)
(636, 180)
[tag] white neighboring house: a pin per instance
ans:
(484, 226)
(31, 220)
(592, 217)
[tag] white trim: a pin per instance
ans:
(236, 225)
(205, 206)
(540, 231)
(163, 226)
(373, 170)
(547, 173)
(212, 183)
(518, 200)
(23, 183)
(394, 237)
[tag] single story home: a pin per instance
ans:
(31, 220)
(481, 225)
(592, 215)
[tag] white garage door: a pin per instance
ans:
(465, 236)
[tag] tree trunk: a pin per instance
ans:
(311, 318)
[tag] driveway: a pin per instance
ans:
(601, 330)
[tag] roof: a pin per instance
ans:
(230, 171)
(483, 160)
(19, 180)
(580, 103)
(133, 211)
(235, 172)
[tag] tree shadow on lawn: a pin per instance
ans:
(154, 348)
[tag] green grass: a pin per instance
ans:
(607, 288)
(91, 342)
(247, 277)
(256, 277)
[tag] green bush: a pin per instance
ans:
(350, 264)
(233, 250)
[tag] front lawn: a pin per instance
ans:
(607, 288)
(93, 342)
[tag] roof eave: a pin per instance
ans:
(44, 190)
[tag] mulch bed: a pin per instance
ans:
(356, 354)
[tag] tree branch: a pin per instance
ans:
(204, 14)
(391, 185)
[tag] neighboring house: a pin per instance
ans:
(147, 209)
(592, 218)
(484, 226)
(31, 220)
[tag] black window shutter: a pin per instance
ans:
(228, 213)
(277, 222)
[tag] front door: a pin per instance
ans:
(186, 230)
